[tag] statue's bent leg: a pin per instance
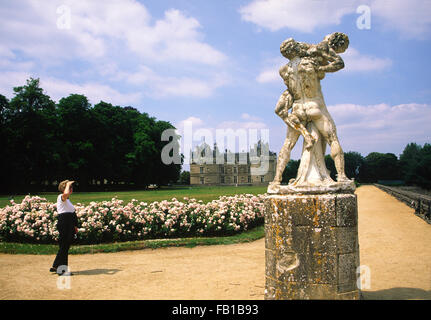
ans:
(284, 155)
(294, 121)
(329, 132)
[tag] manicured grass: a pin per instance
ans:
(39, 249)
(203, 193)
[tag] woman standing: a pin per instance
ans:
(67, 226)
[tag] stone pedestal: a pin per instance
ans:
(312, 248)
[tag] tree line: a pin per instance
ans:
(101, 146)
(413, 167)
(111, 147)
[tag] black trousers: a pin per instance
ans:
(66, 224)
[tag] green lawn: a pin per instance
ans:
(203, 193)
(28, 248)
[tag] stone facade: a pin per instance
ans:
(311, 247)
(210, 167)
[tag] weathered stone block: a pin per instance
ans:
(347, 268)
(314, 240)
(314, 211)
(270, 288)
(352, 295)
(269, 238)
(270, 263)
(347, 210)
(346, 239)
(311, 246)
(346, 287)
(309, 267)
(326, 213)
(269, 211)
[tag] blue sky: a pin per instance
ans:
(216, 63)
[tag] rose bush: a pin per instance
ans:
(34, 219)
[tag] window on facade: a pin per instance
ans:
(249, 179)
(202, 180)
(221, 179)
(201, 169)
(235, 179)
(262, 178)
(235, 170)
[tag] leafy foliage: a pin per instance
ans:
(416, 164)
(101, 147)
(380, 166)
(185, 177)
(290, 171)
(413, 166)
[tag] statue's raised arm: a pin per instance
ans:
(327, 52)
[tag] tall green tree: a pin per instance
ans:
(290, 171)
(33, 119)
(353, 162)
(380, 166)
(409, 161)
(77, 138)
(330, 165)
(115, 140)
(184, 177)
(5, 134)
(43, 142)
(422, 171)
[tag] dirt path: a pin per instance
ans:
(394, 244)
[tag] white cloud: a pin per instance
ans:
(11, 79)
(98, 27)
(194, 121)
(235, 125)
(410, 18)
(270, 72)
(250, 117)
(106, 36)
(6, 53)
(250, 122)
(58, 88)
(176, 37)
(13, 65)
(268, 75)
(95, 92)
(381, 127)
(357, 62)
(160, 85)
(301, 15)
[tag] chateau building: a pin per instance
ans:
(208, 166)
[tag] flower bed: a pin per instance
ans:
(34, 219)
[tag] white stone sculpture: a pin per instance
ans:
(309, 117)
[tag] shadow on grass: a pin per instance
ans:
(26, 248)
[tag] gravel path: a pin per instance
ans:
(394, 244)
